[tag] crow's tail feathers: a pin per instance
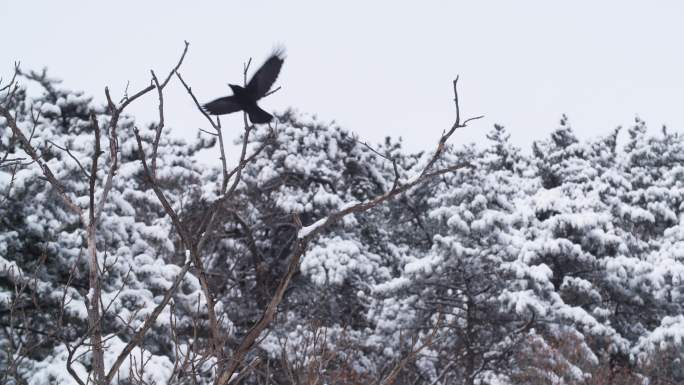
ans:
(257, 115)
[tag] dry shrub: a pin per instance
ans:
(565, 359)
(322, 360)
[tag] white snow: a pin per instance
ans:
(305, 231)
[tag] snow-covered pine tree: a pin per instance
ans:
(309, 169)
(565, 267)
(44, 270)
(649, 279)
(450, 295)
(570, 232)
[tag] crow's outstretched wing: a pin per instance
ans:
(224, 105)
(265, 76)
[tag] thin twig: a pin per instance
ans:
(445, 137)
(160, 125)
(301, 244)
(114, 144)
(93, 168)
(47, 172)
(244, 71)
(160, 95)
(197, 103)
(271, 92)
(9, 147)
(13, 79)
(195, 247)
(177, 67)
(180, 229)
(209, 218)
(207, 132)
(66, 149)
(151, 319)
(224, 162)
(388, 158)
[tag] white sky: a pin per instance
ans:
(376, 67)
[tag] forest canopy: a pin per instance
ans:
(319, 258)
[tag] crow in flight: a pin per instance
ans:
(245, 98)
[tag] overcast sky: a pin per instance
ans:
(376, 67)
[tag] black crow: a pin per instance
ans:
(245, 98)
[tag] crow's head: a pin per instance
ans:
(235, 88)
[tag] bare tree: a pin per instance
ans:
(193, 241)
(232, 364)
(88, 217)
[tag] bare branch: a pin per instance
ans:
(160, 125)
(187, 239)
(34, 120)
(457, 124)
(222, 150)
(94, 294)
(113, 166)
(269, 313)
(13, 79)
(237, 171)
(66, 149)
(307, 234)
(190, 246)
(210, 216)
(217, 127)
(34, 155)
(207, 132)
(13, 178)
(388, 158)
(471, 119)
(245, 68)
(114, 143)
(271, 92)
(149, 322)
(180, 229)
(177, 67)
(5, 158)
(300, 248)
(132, 98)
(94, 297)
(70, 369)
(160, 95)
(197, 103)
(323, 223)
